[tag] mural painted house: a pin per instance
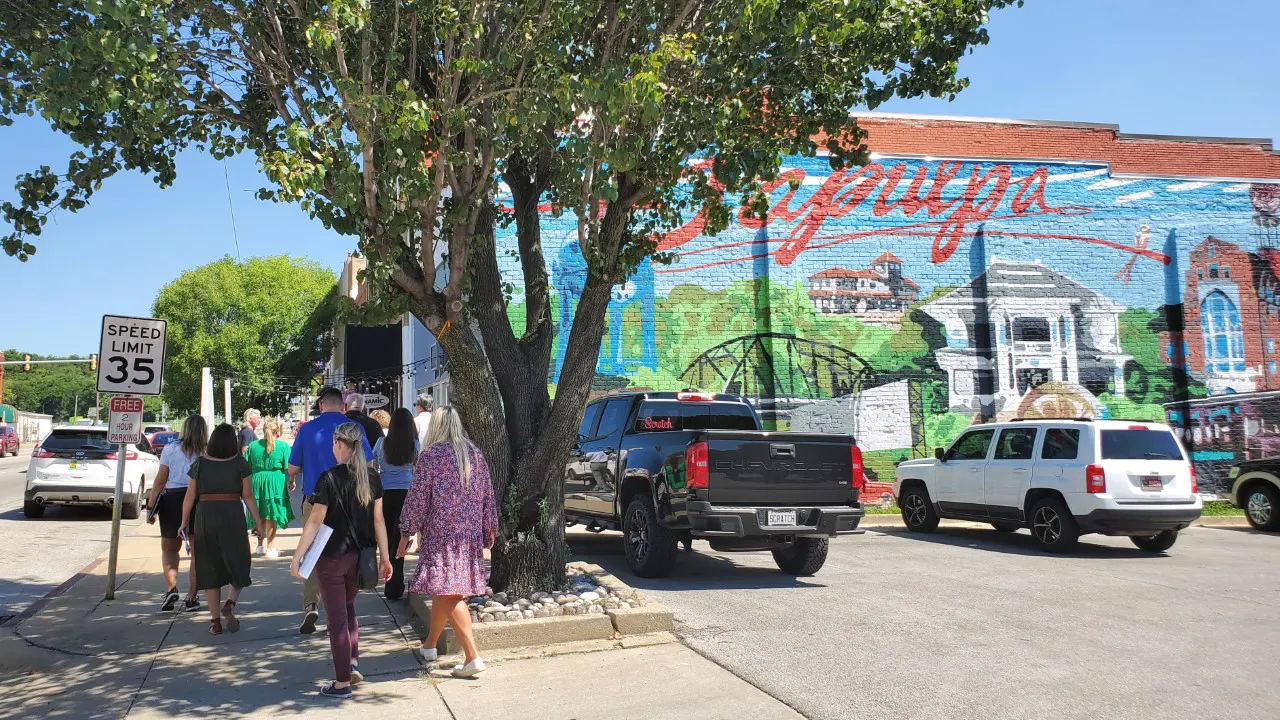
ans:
(879, 295)
(1020, 325)
(1055, 268)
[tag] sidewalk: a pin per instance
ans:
(82, 657)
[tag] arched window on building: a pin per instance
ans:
(1223, 337)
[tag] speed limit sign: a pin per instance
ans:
(131, 355)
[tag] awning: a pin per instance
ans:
(8, 414)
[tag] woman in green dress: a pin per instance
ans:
(269, 464)
(215, 524)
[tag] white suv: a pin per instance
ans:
(1060, 478)
(75, 465)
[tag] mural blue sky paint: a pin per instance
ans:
(927, 212)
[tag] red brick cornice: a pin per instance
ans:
(1243, 158)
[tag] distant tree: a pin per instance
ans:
(266, 320)
(55, 389)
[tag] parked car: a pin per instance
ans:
(160, 439)
(670, 467)
(1061, 479)
(151, 430)
(9, 442)
(1255, 487)
(75, 465)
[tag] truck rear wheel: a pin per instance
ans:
(804, 557)
(650, 547)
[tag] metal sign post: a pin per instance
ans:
(125, 428)
(131, 356)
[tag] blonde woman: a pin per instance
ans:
(383, 419)
(451, 504)
(269, 464)
(348, 499)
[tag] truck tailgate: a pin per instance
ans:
(778, 469)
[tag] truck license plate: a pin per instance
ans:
(782, 517)
(1152, 482)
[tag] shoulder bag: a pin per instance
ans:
(367, 560)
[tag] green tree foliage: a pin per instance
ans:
(391, 121)
(263, 319)
(53, 389)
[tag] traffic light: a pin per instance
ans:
(26, 363)
(93, 362)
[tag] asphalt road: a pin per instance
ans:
(38, 555)
(972, 623)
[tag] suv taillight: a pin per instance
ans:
(41, 453)
(697, 472)
(1195, 484)
(1095, 480)
(130, 455)
(859, 479)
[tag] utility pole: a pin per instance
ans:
(77, 410)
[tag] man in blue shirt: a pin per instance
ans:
(311, 456)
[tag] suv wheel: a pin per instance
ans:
(1159, 542)
(131, 510)
(1052, 525)
(650, 547)
(917, 510)
(32, 509)
(1006, 527)
(803, 557)
(1262, 507)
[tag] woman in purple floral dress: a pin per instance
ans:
(450, 504)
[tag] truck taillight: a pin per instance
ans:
(859, 479)
(697, 473)
(1195, 484)
(130, 455)
(695, 397)
(1095, 480)
(41, 453)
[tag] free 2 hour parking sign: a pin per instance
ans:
(131, 355)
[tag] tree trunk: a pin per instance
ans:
(532, 553)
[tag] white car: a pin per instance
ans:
(1060, 478)
(75, 465)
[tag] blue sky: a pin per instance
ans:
(1173, 66)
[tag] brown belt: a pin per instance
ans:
(220, 496)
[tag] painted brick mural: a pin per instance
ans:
(906, 299)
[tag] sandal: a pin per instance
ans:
(228, 612)
(215, 627)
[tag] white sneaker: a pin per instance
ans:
(426, 655)
(272, 553)
(470, 670)
(258, 551)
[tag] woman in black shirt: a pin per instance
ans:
(348, 499)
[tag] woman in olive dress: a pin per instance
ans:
(215, 524)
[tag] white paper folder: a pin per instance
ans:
(313, 553)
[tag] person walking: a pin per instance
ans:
(423, 418)
(383, 418)
(249, 431)
(356, 414)
(269, 463)
(167, 497)
(311, 455)
(451, 506)
(395, 456)
(347, 499)
(220, 480)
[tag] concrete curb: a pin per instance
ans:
(650, 619)
(872, 522)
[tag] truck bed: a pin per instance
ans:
(779, 469)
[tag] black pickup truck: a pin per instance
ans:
(666, 468)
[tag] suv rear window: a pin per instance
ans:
(1140, 445)
(64, 440)
(667, 415)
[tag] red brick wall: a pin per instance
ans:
(1167, 156)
